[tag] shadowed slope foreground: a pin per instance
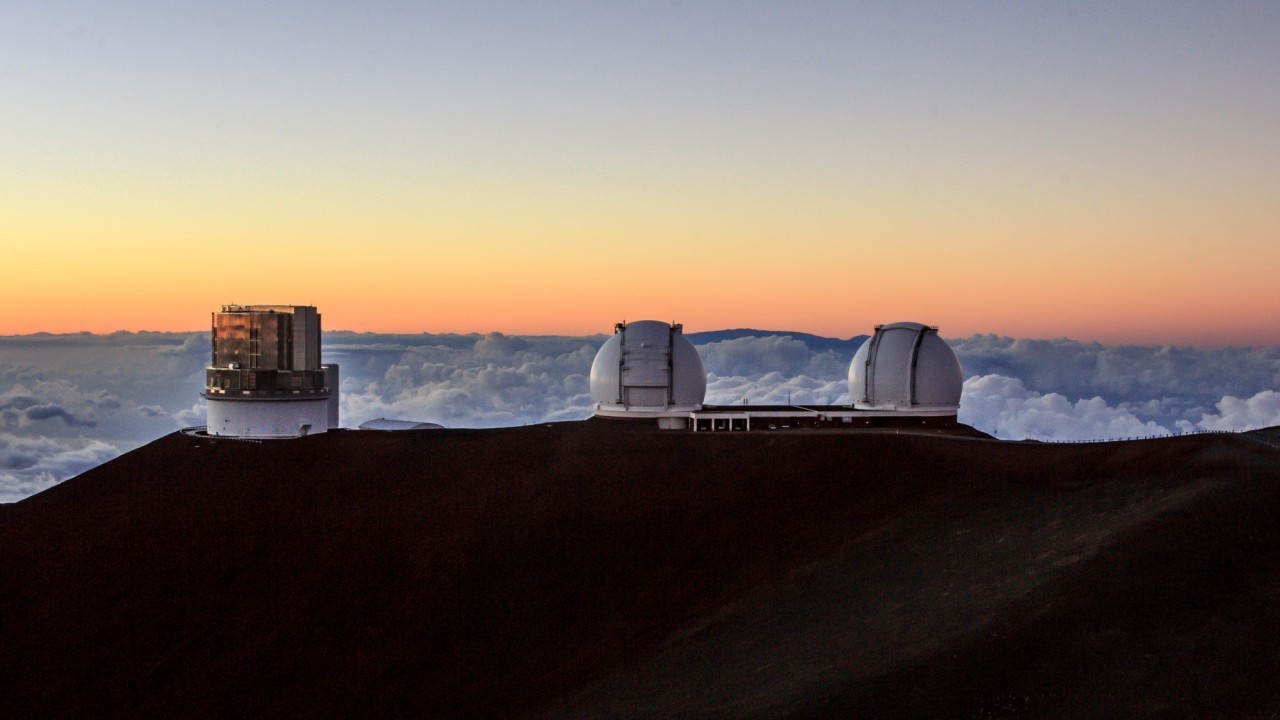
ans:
(600, 569)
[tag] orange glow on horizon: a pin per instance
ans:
(1143, 324)
(1081, 265)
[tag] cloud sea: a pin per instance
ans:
(71, 402)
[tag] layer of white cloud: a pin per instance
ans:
(1259, 411)
(1004, 407)
(1169, 385)
(491, 380)
(774, 388)
(33, 463)
(782, 354)
(68, 402)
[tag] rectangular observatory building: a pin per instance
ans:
(265, 377)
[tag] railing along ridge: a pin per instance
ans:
(201, 431)
(1086, 441)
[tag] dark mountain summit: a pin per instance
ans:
(606, 569)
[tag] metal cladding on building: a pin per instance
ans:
(265, 379)
(647, 369)
(906, 367)
(333, 381)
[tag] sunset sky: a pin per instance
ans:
(1098, 171)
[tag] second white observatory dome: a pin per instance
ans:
(905, 366)
(647, 368)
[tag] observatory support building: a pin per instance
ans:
(265, 379)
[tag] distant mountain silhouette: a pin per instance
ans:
(607, 569)
(842, 348)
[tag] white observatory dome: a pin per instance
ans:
(905, 366)
(647, 367)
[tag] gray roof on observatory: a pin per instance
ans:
(648, 366)
(905, 366)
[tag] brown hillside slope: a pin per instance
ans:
(592, 568)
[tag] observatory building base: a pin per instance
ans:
(275, 418)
